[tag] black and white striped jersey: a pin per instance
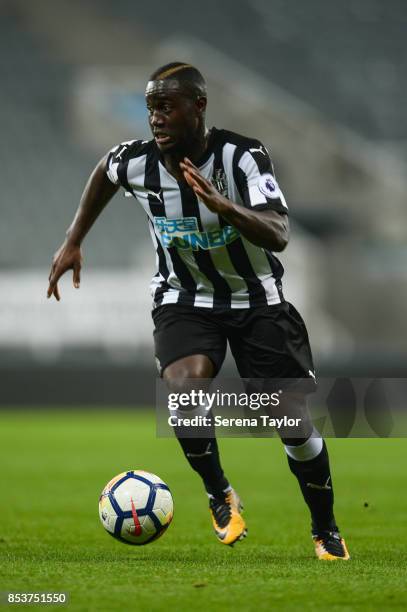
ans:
(202, 260)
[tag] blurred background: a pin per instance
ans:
(322, 84)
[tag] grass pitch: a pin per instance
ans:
(54, 465)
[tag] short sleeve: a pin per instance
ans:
(115, 157)
(256, 181)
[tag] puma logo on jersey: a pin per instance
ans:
(155, 194)
(119, 154)
(158, 195)
(260, 149)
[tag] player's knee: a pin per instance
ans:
(183, 382)
(183, 375)
(299, 425)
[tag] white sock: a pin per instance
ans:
(307, 451)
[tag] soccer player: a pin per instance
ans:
(216, 216)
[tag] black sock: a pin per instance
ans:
(314, 478)
(203, 456)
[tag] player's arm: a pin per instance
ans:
(98, 192)
(267, 228)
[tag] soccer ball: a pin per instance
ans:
(136, 507)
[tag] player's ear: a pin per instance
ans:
(201, 104)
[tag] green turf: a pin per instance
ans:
(55, 464)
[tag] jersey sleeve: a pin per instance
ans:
(256, 181)
(115, 157)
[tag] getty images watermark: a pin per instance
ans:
(194, 408)
(335, 407)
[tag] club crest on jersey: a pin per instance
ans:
(219, 181)
(268, 186)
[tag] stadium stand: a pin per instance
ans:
(346, 59)
(44, 170)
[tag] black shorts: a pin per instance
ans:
(269, 342)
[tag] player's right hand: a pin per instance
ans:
(68, 257)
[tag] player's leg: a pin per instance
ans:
(191, 347)
(201, 451)
(272, 344)
(309, 462)
(307, 458)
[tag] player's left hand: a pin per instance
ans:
(202, 187)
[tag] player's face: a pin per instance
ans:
(174, 121)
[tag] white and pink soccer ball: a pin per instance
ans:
(136, 507)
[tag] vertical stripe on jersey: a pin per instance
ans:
(163, 271)
(157, 208)
(276, 268)
(163, 260)
(236, 250)
(254, 164)
(122, 176)
(221, 290)
(262, 160)
(220, 256)
(162, 264)
(264, 165)
(277, 271)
